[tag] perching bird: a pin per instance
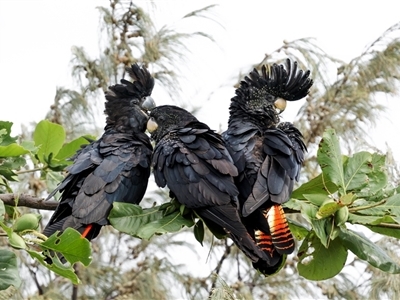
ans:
(116, 167)
(192, 161)
(268, 155)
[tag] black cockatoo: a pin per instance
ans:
(268, 155)
(192, 161)
(116, 167)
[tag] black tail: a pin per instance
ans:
(227, 218)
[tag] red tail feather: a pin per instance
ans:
(87, 230)
(281, 236)
(264, 241)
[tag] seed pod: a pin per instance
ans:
(27, 221)
(16, 241)
(328, 208)
(341, 215)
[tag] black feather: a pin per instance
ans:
(116, 167)
(206, 185)
(268, 155)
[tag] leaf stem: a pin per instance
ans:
(28, 171)
(388, 225)
(355, 209)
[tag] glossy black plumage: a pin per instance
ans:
(192, 161)
(268, 155)
(116, 167)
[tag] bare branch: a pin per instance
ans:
(28, 201)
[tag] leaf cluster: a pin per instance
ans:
(350, 190)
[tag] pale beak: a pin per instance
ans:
(149, 103)
(280, 105)
(151, 125)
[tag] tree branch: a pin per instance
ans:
(28, 201)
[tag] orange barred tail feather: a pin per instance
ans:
(264, 242)
(281, 237)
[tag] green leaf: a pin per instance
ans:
(9, 164)
(9, 270)
(49, 137)
(369, 220)
(298, 230)
(330, 158)
(12, 150)
(320, 229)
(129, 218)
(377, 177)
(69, 149)
(30, 146)
(317, 262)
(169, 223)
(199, 231)
(317, 185)
(5, 131)
(56, 266)
(71, 245)
(316, 199)
(368, 251)
(356, 170)
(393, 232)
(390, 207)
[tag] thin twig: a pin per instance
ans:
(219, 265)
(28, 201)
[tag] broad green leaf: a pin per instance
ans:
(293, 204)
(393, 232)
(49, 137)
(56, 266)
(9, 165)
(12, 150)
(316, 199)
(317, 262)
(377, 177)
(5, 131)
(317, 185)
(309, 212)
(9, 274)
(320, 229)
(298, 230)
(199, 231)
(330, 158)
(71, 245)
(371, 220)
(390, 207)
(30, 146)
(129, 218)
(169, 223)
(69, 149)
(356, 170)
(368, 251)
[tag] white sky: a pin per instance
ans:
(36, 39)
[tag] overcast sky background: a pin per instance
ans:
(36, 39)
